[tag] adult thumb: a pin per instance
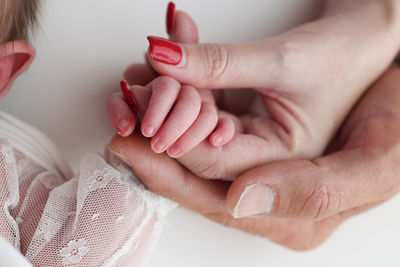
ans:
(301, 189)
(216, 65)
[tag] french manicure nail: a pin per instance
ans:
(255, 199)
(128, 95)
(170, 17)
(165, 51)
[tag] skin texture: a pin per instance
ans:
(176, 117)
(359, 173)
(304, 85)
(307, 99)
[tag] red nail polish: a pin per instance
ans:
(128, 95)
(165, 51)
(170, 17)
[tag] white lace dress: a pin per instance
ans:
(102, 216)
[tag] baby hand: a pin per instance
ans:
(176, 117)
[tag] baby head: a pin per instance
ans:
(17, 19)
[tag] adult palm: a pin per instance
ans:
(311, 197)
(306, 81)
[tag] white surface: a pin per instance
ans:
(10, 256)
(83, 48)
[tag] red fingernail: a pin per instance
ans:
(165, 51)
(128, 95)
(170, 17)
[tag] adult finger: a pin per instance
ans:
(215, 65)
(163, 175)
(311, 189)
(183, 28)
(209, 197)
(228, 162)
(139, 74)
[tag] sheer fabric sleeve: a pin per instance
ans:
(103, 216)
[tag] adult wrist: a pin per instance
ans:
(338, 6)
(372, 19)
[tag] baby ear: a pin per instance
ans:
(15, 57)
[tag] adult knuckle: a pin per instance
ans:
(217, 60)
(290, 58)
(323, 200)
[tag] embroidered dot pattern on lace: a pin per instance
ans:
(100, 179)
(102, 216)
(74, 251)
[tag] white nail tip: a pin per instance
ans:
(255, 199)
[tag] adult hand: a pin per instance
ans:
(158, 97)
(307, 79)
(299, 202)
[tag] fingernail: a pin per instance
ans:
(159, 146)
(174, 151)
(120, 156)
(165, 51)
(128, 95)
(123, 127)
(255, 199)
(217, 139)
(148, 130)
(170, 17)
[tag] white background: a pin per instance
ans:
(83, 47)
